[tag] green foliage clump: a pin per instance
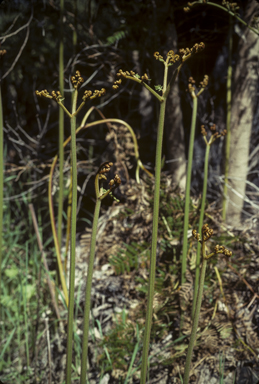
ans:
(119, 346)
(130, 258)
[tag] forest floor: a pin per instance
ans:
(227, 339)
(227, 344)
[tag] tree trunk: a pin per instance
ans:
(174, 132)
(242, 112)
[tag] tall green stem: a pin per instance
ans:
(72, 244)
(61, 125)
(1, 180)
(206, 235)
(188, 188)
(105, 168)
(196, 319)
(228, 121)
(88, 293)
(203, 200)
(152, 269)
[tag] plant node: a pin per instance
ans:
(171, 57)
(114, 183)
(215, 134)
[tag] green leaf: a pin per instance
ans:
(11, 272)
(30, 291)
(116, 37)
(158, 88)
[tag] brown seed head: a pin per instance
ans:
(205, 81)
(56, 95)
(206, 232)
(224, 251)
(203, 130)
(196, 235)
(77, 80)
(104, 168)
(43, 93)
(144, 77)
(98, 93)
(87, 94)
(157, 56)
(114, 183)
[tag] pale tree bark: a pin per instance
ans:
(174, 132)
(242, 112)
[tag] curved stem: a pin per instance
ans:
(230, 13)
(54, 231)
(51, 209)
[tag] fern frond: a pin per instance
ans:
(119, 35)
(130, 258)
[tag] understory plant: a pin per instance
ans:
(175, 60)
(2, 53)
(206, 234)
(214, 135)
(100, 195)
(194, 95)
(76, 81)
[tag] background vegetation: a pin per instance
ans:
(101, 37)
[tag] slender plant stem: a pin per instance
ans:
(75, 27)
(1, 181)
(196, 319)
(38, 236)
(256, 31)
(69, 205)
(72, 244)
(24, 293)
(188, 189)
(152, 269)
(203, 200)
(228, 121)
(61, 124)
(88, 293)
(54, 231)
